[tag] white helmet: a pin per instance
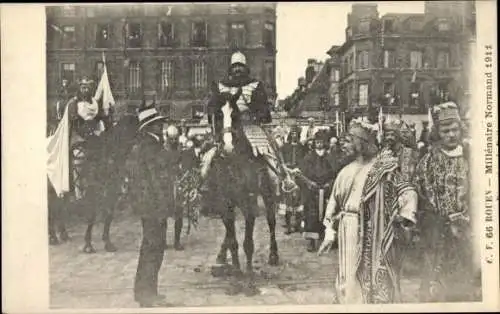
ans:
(238, 57)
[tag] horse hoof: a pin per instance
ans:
(89, 249)
(179, 247)
(221, 260)
(220, 271)
(110, 247)
(64, 237)
(273, 260)
(236, 272)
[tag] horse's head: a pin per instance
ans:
(230, 120)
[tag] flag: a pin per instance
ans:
(414, 77)
(104, 90)
(58, 156)
(380, 133)
(429, 117)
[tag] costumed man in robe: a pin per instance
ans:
(316, 178)
(375, 210)
(150, 193)
(85, 122)
(442, 180)
(293, 154)
(393, 142)
(254, 110)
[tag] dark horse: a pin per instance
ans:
(103, 172)
(233, 181)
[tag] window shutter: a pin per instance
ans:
(159, 78)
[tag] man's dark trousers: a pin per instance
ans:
(150, 259)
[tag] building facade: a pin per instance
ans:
(405, 62)
(167, 52)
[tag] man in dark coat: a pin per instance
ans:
(317, 176)
(149, 196)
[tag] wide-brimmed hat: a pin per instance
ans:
(148, 115)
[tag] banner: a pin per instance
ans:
(58, 156)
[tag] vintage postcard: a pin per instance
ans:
(250, 157)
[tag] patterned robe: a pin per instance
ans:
(188, 184)
(442, 181)
(366, 199)
(386, 195)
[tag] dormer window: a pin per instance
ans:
(388, 26)
(443, 26)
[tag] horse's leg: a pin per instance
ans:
(112, 202)
(92, 212)
(270, 202)
(88, 248)
(232, 241)
(248, 244)
(108, 245)
(61, 219)
(222, 255)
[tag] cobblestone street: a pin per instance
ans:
(105, 280)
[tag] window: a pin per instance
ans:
(388, 26)
(443, 26)
(348, 33)
(269, 34)
(414, 25)
(199, 34)
(166, 34)
(443, 59)
(416, 59)
(364, 26)
(388, 59)
(388, 89)
(135, 78)
(237, 34)
(363, 95)
(134, 35)
(442, 92)
(414, 94)
(334, 75)
(200, 75)
(363, 59)
(352, 63)
(166, 75)
(102, 35)
(270, 73)
(68, 72)
(69, 37)
(336, 99)
(69, 11)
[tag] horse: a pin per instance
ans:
(233, 181)
(103, 174)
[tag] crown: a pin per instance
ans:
(362, 129)
(446, 112)
(397, 125)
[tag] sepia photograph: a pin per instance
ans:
(267, 153)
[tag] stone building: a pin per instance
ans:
(405, 62)
(167, 52)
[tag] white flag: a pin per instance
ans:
(58, 156)
(104, 90)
